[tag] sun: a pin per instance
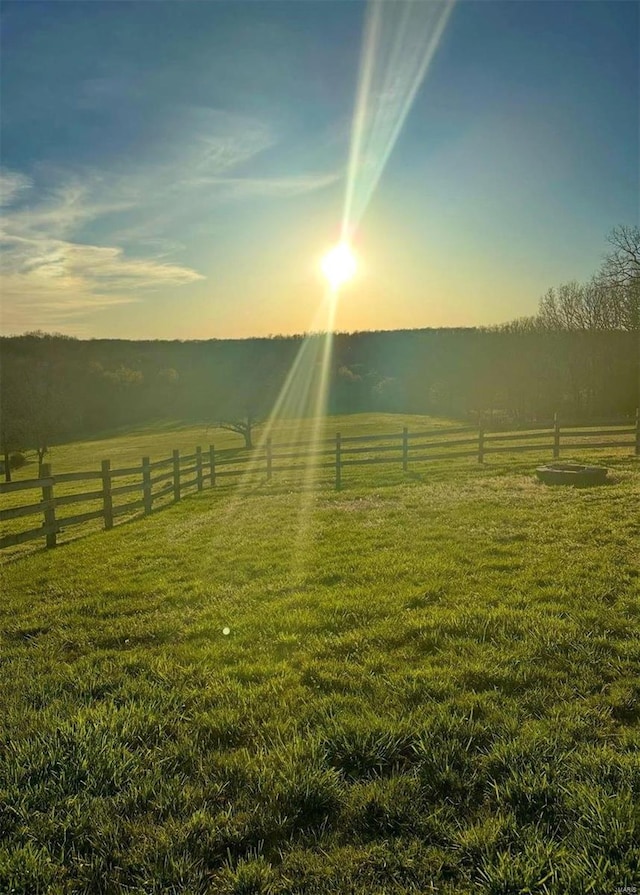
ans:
(339, 265)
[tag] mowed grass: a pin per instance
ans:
(159, 440)
(429, 684)
(126, 449)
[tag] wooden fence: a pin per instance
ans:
(178, 474)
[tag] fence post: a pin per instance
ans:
(107, 501)
(49, 506)
(176, 475)
(199, 468)
(556, 436)
(637, 431)
(269, 459)
(405, 449)
(480, 441)
(212, 464)
(146, 485)
(338, 462)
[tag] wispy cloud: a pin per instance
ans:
(265, 187)
(59, 265)
(221, 141)
(12, 184)
(50, 279)
(68, 244)
(65, 208)
(49, 282)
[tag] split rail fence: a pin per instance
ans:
(179, 474)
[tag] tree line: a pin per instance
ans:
(610, 300)
(579, 355)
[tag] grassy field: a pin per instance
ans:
(158, 441)
(126, 449)
(421, 684)
(289, 437)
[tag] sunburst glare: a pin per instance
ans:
(339, 265)
(398, 43)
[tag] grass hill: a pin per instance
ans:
(127, 446)
(420, 685)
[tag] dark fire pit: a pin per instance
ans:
(571, 474)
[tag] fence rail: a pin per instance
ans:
(400, 448)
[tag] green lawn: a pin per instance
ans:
(429, 684)
(126, 449)
(159, 440)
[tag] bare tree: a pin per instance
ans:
(610, 300)
(620, 275)
(242, 427)
(12, 417)
(622, 264)
(10, 440)
(590, 306)
(567, 307)
(520, 325)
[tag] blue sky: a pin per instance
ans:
(176, 169)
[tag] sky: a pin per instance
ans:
(176, 169)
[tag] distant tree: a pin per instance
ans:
(244, 427)
(8, 444)
(579, 306)
(32, 415)
(387, 394)
(348, 388)
(619, 276)
(622, 264)
(11, 416)
(519, 325)
(168, 376)
(118, 396)
(246, 384)
(583, 353)
(43, 413)
(609, 301)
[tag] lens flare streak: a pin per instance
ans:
(400, 40)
